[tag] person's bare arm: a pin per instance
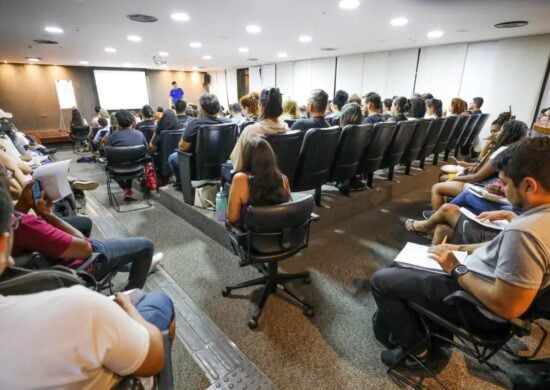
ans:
(497, 215)
(154, 361)
(237, 193)
(465, 247)
(483, 173)
(500, 297)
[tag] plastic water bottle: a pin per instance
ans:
(221, 205)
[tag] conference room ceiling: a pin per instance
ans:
(90, 26)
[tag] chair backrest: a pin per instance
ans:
(316, 158)
(334, 121)
(432, 137)
(477, 129)
(244, 125)
(287, 150)
(148, 130)
(214, 145)
(167, 144)
(279, 228)
(80, 132)
(401, 139)
(349, 151)
(20, 281)
(125, 160)
(460, 126)
(445, 134)
(418, 140)
(468, 129)
(377, 147)
(290, 122)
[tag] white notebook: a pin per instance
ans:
(416, 256)
(497, 225)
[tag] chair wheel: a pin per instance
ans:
(307, 280)
(252, 323)
(309, 312)
(226, 292)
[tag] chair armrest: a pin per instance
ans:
(234, 230)
(89, 261)
(314, 217)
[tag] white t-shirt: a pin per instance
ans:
(70, 338)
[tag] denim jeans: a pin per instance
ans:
(136, 252)
(157, 308)
(173, 164)
(82, 224)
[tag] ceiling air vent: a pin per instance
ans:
(329, 48)
(513, 24)
(142, 18)
(45, 42)
(252, 59)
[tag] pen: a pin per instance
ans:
(444, 241)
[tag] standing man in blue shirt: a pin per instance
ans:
(176, 93)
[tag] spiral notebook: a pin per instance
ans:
(417, 256)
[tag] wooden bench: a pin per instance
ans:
(49, 136)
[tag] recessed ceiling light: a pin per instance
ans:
(253, 29)
(206, 57)
(512, 24)
(134, 38)
(180, 16)
(84, 63)
(435, 34)
(54, 30)
(349, 4)
(195, 44)
(163, 53)
(282, 54)
(305, 38)
(110, 50)
(243, 50)
(33, 59)
(398, 22)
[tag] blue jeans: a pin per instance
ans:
(136, 252)
(476, 204)
(173, 164)
(157, 308)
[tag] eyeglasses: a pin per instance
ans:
(16, 220)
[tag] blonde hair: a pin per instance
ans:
(290, 108)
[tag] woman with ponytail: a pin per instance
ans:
(399, 107)
(271, 108)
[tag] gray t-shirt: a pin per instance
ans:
(520, 254)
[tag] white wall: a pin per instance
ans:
(349, 74)
(285, 79)
(268, 76)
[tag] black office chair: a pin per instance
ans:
(287, 150)
(469, 144)
(127, 163)
(376, 149)
(290, 122)
(351, 147)
(213, 147)
(244, 125)
(460, 126)
(79, 134)
(271, 234)
(431, 140)
(466, 133)
(167, 144)
(316, 158)
(444, 137)
(401, 139)
(418, 140)
(334, 121)
(479, 346)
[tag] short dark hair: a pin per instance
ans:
(319, 98)
(147, 111)
(437, 105)
(375, 99)
(387, 103)
(6, 204)
(210, 104)
(526, 158)
(401, 103)
(174, 83)
(235, 107)
(97, 109)
(478, 101)
(102, 122)
(124, 119)
(340, 98)
(417, 108)
(160, 109)
(271, 103)
(427, 96)
(181, 105)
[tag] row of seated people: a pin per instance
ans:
(109, 339)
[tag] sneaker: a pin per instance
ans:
(155, 262)
(427, 214)
(84, 185)
(357, 184)
(397, 358)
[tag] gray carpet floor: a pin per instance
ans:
(336, 348)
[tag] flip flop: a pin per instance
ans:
(409, 225)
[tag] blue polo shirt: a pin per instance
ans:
(176, 94)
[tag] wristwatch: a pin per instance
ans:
(458, 271)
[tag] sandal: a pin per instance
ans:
(409, 225)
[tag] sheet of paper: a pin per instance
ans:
(53, 179)
(481, 192)
(417, 256)
(498, 225)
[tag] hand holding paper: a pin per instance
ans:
(444, 256)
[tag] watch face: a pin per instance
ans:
(461, 269)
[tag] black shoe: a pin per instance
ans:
(397, 358)
(129, 199)
(357, 184)
(343, 188)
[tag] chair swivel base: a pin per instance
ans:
(271, 281)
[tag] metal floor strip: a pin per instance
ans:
(225, 366)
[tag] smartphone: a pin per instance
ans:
(36, 191)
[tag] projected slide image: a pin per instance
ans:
(118, 89)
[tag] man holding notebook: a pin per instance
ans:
(517, 261)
